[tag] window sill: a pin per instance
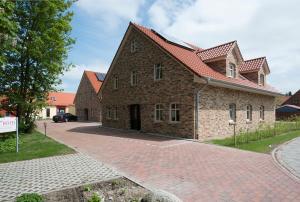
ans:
(158, 121)
(174, 122)
(232, 122)
(261, 120)
(248, 121)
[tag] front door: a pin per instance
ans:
(135, 117)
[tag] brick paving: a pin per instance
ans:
(289, 156)
(50, 174)
(192, 171)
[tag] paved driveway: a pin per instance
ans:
(289, 156)
(192, 171)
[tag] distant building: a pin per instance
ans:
(3, 112)
(58, 102)
(289, 108)
(87, 103)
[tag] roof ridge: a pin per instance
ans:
(218, 46)
(92, 71)
(264, 57)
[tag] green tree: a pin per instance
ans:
(33, 67)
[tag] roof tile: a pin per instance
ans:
(252, 65)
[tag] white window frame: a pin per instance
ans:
(109, 114)
(262, 79)
(176, 110)
(133, 80)
(133, 46)
(158, 108)
(232, 112)
(249, 113)
(116, 82)
(262, 113)
(115, 113)
(232, 70)
(158, 76)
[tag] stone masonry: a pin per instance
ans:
(176, 86)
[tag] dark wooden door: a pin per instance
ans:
(135, 117)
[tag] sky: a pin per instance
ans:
(261, 27)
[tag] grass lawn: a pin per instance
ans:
(35, 145)
(261, 146)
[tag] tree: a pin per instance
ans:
(34, 65)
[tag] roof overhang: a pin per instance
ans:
(224, 84)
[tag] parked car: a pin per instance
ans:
(64, 117)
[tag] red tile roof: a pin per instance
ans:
(252, 65)
(92, 76)
(218, 51)
(60, 99)
(191, 60)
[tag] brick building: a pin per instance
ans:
(88, 107)
(289, 108)
(159, 86)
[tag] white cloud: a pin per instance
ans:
(112, 11)
(262, 28)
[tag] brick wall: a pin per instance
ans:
(86, 100)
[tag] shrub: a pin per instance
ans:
(30, 197)
(87, 188)
(95, 198)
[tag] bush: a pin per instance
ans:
(95, 198)
(30, 197)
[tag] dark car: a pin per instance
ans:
(64, 117)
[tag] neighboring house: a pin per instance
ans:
(289, 108)
(159, 86)
(58, 102)
(87, 103)
(3, 112)
(280, 100)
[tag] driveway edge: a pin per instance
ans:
(281, 165)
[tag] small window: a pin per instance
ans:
(232, 112)
(115, 113)
(249, 112)
(133, 46)
(157, 72)
(158, 112)
(116, 82)
(232, 70)
(133, 78)
(262, 113)
(48, 112)
(7, 114)
(262, 79)
(109, 114)
(174, 113)
(53, 98)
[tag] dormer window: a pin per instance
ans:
(133, 46)
(53, 99)
(232, 70)
(261, 79)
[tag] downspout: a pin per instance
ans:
(197, 100)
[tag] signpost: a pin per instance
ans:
(10, 124)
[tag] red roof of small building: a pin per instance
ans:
(92, 76)
(60, 99)
(217, 51)
(252, 65)
(191, 60)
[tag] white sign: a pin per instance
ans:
(8, 124)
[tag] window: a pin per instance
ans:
(133, 78)
(232, 70)
(174, 113)
(7, 114)
(48, 112)
(109, 114)
(232, 112)
(157, 72)
(158, 112)
(116, 82)
(115, 113)
(133, 46)
(249, 112)
(52, 98)
(262, 80)
(262, 113)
